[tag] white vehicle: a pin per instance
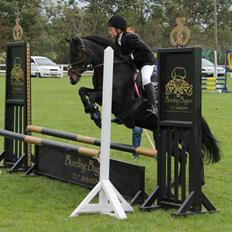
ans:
(43, 67)
(207, 69)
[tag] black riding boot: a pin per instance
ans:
(150, 92)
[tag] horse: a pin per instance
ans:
(88, 52)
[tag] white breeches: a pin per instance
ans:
(146, 72)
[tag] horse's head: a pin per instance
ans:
(79, 59)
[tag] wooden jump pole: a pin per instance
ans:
(44, 142)
(90, 140)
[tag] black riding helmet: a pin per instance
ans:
(117, 22)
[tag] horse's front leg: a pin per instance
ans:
(94, 111)
(89, 97)
(84, 95)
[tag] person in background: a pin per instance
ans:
(136, 139)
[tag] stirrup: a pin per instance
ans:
(116, 120)
(152, 110)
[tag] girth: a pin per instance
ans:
(127, 117)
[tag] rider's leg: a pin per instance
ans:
(146, 72)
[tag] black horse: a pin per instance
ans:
(88, 52)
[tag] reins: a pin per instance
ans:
(101, 65)
(84, 66)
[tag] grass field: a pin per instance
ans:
(40, 204)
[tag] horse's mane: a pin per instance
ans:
(105, 42)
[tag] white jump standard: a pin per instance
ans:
(110, 200)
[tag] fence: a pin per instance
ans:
(2, 68)
(64, 70)
(216, 84)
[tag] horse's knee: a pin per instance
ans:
(93, 97)
(82, 91)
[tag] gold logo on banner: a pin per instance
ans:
(180, 34)
(178, 86)
(17, 74)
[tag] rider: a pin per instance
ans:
(137, 52)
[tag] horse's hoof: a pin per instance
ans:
(87, 110)
(98, 124)
(116, 120)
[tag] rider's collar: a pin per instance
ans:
(120, 38)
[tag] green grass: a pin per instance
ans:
(41, 204)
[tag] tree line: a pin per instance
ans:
(46, 23)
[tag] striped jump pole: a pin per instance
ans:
(44, 142)
(90, 140)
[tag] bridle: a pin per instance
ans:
(84, 66)
(82, 62)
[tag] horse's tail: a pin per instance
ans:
(210, 146)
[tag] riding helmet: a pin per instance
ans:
(117, 22)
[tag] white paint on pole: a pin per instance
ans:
(106, 113)
(110, 200)
(215, 64)
(218, 86)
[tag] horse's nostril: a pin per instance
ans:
(73, 82)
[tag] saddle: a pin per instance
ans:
(138, 87)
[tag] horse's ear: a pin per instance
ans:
(68, 40)
(76, 39)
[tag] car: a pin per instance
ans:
(43, 67)
(207, 69)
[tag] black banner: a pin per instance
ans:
(16, 72)
(68, 166)
(17, 104)
(177, 101)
